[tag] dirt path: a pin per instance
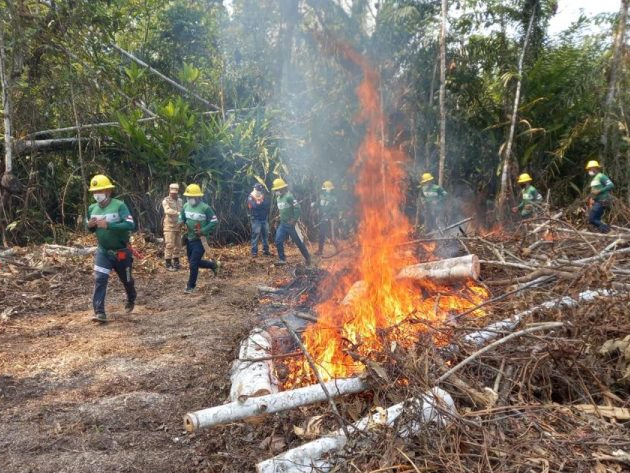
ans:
(79, 397)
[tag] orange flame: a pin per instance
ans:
(389, 310)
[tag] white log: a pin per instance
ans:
(436, 406)
(59, 250)
(494, 330)
(445, 271)
(271, 403)
(253, 378)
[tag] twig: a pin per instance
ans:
(311, 362)
(496, 343)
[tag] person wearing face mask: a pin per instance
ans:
(601, 185)
(289, 210)
(530, 197)
(259, 205)
(199, 220)
(173, 206)
(328, 209)
(112, 223)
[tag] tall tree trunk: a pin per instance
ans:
(442, 93)
(506, 185)
(618, 46)
(6, 106)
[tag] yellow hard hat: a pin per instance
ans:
(100, 182)
(193, 190)
(592, 164)
(524, 178)
(278, 184)
(328, 186)
(426, 177)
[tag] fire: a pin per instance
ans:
(390, 311)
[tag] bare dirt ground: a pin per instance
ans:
(76, 396)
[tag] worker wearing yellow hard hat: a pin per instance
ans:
(327, 209)
(199, 220)
(531, 199)
(432, 198)
(110, 220)
(289, 210)
(600, 198)
(172, 205)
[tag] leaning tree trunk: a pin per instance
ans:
(618, 46)
(442, 94)
(504, 191)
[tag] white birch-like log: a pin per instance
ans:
(498, 328)
(253, 378)
(271, 403)
(436, 406)
(446, 271)
(59, 250)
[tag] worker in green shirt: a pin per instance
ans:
(112, 223)
(433, 198)
(289, 210)
(199, 220)
(328, 209)
(601, 185)
(530, 197)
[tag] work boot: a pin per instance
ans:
(281, 262)
(100, 317)
(267, 253)
(129, 307)
(176, 264)
(308, 261)
(216, 268)
(189, 290)
(169, 266)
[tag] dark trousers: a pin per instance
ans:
(282, 233)
(595, 216)
(121, 261)
(195, 251)
(326, 230)
(260, 231)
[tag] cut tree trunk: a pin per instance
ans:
(271, 403)
(436, 406)
(446, 271)
(253, 378)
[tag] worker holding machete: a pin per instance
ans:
(199, 220)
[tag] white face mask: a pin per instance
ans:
(193, 201)
(592, 173)
(100, 198)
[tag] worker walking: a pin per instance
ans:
(259, 204)
(601, 185)
(112, 223)
(199, 220)
(172, 205)
(433, 198)
(289, 210)
(328, 209)
(530, 197)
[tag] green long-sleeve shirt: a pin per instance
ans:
(529, 197)
(120, 224)
(328, 206)
(288, 207)
(200, 214)
(432, 194)
(602, 183)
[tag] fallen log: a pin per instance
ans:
(271, 403)
(436, 406)
(494, 330)
(253, 378)
(59, 250)
(446, 271)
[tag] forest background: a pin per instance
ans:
(261, 89)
